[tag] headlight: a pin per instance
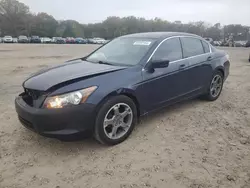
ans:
(72, 98)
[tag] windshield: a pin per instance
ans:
(122, 51)
(22, 37)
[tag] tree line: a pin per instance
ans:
(17, 19)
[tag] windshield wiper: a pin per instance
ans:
(105, 63)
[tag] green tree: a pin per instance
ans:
(44, 25)
(13, 17)
(16, 19)
(70, 28)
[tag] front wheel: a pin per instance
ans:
(115, 120)
(215, 87)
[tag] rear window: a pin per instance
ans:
(191, 47)
(206, 47)
(213, 48)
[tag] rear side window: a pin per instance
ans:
(191, 47)
(206, 47)
(169, 50)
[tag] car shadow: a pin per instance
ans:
(165, 112)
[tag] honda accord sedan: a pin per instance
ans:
(104, 93)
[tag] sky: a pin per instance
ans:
(93, 11)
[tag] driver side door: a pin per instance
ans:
(164, 85)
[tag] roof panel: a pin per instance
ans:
(158, 35)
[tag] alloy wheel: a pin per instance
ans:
(216, 86)
(118, 120)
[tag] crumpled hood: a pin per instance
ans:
(45, 79)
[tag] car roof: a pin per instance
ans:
(159, 35)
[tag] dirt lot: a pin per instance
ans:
(194, 144)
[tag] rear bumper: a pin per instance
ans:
(35, 41)
(226, 69)
(57, 123)
(23, 41)
(60, 42)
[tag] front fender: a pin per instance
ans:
(121, 91)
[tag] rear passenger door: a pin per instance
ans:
(197, 52)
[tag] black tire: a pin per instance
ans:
(209, 96)
(99, 132)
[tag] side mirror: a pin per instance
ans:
(161, 63)
(156, 63)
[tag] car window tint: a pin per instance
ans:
(169, 50)
(206, 47)
(191, 47)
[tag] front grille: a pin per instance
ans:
(28, 99)
(34, 94)
(33, 97)
(26, 123)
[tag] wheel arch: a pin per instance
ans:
(220, 69)
(126, 92)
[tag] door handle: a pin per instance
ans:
(182, 66)
(209, 58)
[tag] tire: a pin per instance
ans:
(211, 96)
(108, 109)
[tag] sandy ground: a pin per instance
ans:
(195, 144)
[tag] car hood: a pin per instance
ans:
(77, 69)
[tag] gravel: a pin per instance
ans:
(192, 144)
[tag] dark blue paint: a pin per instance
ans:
(150, 90)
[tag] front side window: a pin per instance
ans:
(126, 51)
(191, 47)
(169, 50)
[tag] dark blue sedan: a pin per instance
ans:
(105, 92)
(80, 41)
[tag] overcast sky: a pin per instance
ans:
(89, 11)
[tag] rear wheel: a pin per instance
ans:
(215, 87)
(115, 120)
